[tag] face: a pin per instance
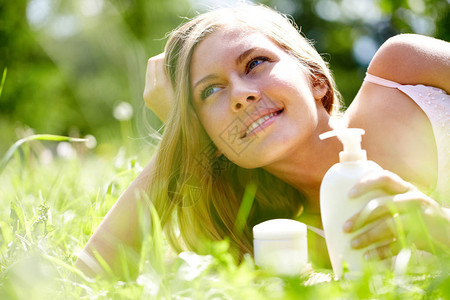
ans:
(254, 100)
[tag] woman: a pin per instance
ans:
(250, 97)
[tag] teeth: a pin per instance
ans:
(258, 122)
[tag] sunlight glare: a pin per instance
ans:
(365, 10)
(328, 10)
(38, 13)
(364, 49)
(90, 8)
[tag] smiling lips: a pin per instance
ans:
(260, 123)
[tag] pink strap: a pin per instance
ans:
(381, 81)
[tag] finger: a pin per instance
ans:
(149, 77)
(384, 207)
(160, 72)
(372, 211)
(383, 251)
(160, 56)
(153, 68)
(386, 181)
(158, 92)
(383, 230)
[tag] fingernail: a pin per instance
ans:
(355, 243)
(368, 256)
(352, 192)
(348, 226)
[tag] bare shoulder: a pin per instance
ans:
(398, 135)
(413, 59)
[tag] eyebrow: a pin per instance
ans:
(239, 61)
(204, 79)
(244, 55)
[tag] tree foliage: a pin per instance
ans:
(70, 62)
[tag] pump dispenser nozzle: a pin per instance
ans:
(351, 139)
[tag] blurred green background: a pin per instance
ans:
(77, 67)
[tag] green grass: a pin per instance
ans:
(50, 209)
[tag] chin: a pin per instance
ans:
(261, 156)
(268, 148)
(246, 163)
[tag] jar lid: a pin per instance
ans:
(279, 229)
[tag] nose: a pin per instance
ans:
(243, 94)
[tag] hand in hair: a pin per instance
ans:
(158, 92)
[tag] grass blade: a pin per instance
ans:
(3, 80)
(246, 206)
(36, 137)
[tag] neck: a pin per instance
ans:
(305, 167)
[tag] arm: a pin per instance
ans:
(158, 92)
(120, 229)
(404, 212)
(413, 59)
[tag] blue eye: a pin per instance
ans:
(209, 91)
(255, 62)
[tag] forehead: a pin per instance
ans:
(233, 35)
(226, 44)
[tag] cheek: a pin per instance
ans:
(224, 130)
(215, 123)
(289, 78)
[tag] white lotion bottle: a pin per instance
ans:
(280, 246)
(336, 206)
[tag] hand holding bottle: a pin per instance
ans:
(404, 216)
(158, 92)
(373, 213)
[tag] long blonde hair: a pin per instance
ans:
(191, 184)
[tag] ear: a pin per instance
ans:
(320, 88)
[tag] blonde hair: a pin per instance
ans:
(190, 182)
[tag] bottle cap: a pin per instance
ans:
(351, 139)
